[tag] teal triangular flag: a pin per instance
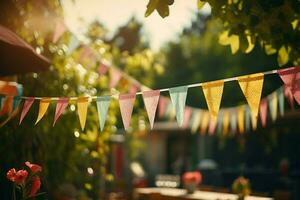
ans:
(178, 98)
(281, 101)
(102, 107)
(74, 43)
(16, 102)
(247, 118)
(220, 122)
(19, 89)
(2, 98)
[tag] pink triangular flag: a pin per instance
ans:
(102, 69)
(291, 78)
(151, 100)
(134, 88)
(126, 102)
(186, 117)
(162, 106)
(288, 94)
(61, 105)
(263, 110)
(27, 105)
(86, 52)
(212, 126)
(115, 76)
(59, 31)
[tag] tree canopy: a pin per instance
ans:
(272, 24)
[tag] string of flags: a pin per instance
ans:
(238, 117)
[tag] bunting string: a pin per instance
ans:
(161, 90)
(237, 119)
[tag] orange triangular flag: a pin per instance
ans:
(213, 94)
(204, 123)
(240, 115)
(44, 104)
(225, 122)
(82, 104)
(251, 86)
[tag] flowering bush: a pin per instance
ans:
(192, 177)
(28, 183)
(241, 186)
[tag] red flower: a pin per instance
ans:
(20, 176)
(192, 177)
(33, 167)
(36, 184)
(11, 174)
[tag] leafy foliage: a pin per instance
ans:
(64, 151)
(274, 25)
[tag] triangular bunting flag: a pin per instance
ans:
(2, 98)
(16, 102)
(195, 120)
(27, 105)
(102, 107)
(291, 78)
(213, 94)
(240, 118)
(82, 105)
(178, 98)
(204, 122)
(247, 118)
(151, 99)
(220, 122)
(288, 94)
(73, 44)
(233, 121)
(263, 112)
(212, 127)
(281, 101)
(103, 68)
(170, 112)
(273, 102)
(59, 31)
(44, 104)
(134, 88)
(61, 105)
(126, 102)
(115, 77)
(162, 106)
(226, 119)
(187, 117)
(251, 86)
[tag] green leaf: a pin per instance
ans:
(269, 49)
(251, 45)
(163, 8)
(200, 4)
(283, 56)
(151, 7)
(234, 43)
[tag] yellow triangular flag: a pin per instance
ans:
(240, 115)
(213, 94)
(44, 104)
(204, 123)
(251, 86)
(225, 122)
(82, 104)
(254, 121)
(273, 102)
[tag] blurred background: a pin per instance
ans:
(90, 43)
